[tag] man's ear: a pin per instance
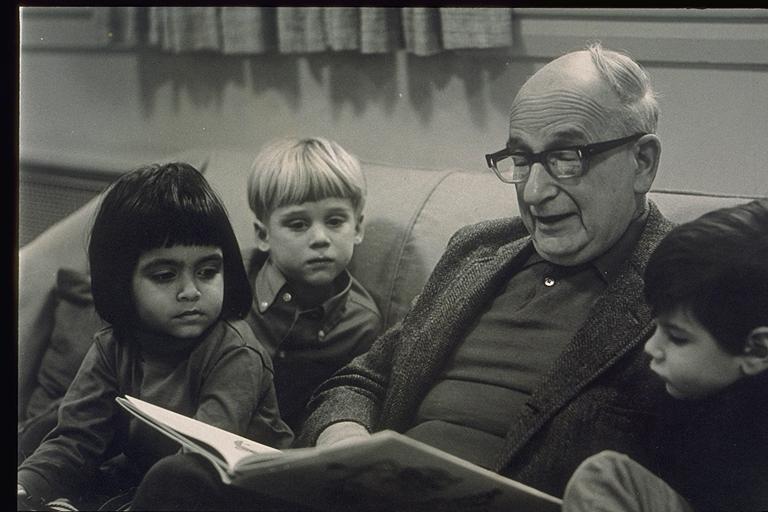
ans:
(647, 154)
(755, 357)
(262, 235)
(359, 230)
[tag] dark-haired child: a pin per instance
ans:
(308, 311)
(167, 274)
(707, 284)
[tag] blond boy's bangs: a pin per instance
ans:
(293, 172)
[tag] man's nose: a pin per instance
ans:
(539, 186)
(189, 290)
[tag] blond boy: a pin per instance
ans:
(313, 317)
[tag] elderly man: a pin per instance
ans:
(523, 353)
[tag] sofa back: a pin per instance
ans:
(410, 214)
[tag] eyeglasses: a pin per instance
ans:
(561, 163)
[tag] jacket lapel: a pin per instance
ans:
(617, 323)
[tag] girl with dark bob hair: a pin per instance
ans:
(159, 206)
(167, 274)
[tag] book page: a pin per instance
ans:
(385, 472)
(231, 447)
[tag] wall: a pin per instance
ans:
(86, 109)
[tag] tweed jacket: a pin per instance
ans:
(598, 394)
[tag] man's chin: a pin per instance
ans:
(561, 252)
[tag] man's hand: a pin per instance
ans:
(342, 432)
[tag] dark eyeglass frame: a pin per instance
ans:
(585, 152)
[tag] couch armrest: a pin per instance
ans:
(63, 245)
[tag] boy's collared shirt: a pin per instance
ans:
(273, 296)
(308, 345)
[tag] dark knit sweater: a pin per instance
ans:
(714, 451)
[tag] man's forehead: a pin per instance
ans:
(562, 114)
(567, 94)
(572, 72)
(564, 135)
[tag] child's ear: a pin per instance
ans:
(359, 230)
(755, 358)
(262, 235)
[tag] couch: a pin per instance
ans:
(409, 216)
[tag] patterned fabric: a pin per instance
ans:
(248, 30)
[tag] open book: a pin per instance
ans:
(387, 471)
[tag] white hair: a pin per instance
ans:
(639, 105)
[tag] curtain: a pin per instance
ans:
(248, 30)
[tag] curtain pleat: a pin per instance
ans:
(422, 31)
(342, 28)
(475, 28)
(248, 30)
(380, 30)
(182, 29)
(300, 29)
(421, 27)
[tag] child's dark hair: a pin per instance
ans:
(717, 265)
(159, 206)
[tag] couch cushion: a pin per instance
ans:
(679, 206)
(459, 199)
(74, 324)
(61, 245)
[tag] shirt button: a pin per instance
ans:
(321, 334)
(287, 297)
(548, 281)
(264, 304)
(281, 354)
